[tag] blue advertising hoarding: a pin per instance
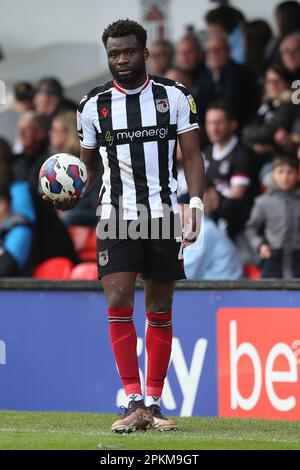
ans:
(55, 352)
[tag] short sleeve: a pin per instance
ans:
(187, 118)
(242, 171)
(85, 127)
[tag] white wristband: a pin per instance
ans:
(196, 202)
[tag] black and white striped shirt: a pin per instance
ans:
(136, 133)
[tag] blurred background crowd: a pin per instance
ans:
(245, 81)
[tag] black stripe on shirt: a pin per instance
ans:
(106, 125)
(137, 154)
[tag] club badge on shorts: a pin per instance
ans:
(103, 258)
(162, 105)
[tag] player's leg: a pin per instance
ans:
(161, 269)
(119, 292)
(158, 300)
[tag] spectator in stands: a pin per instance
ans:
(276, 111)
(229, 165)
(213, 256)
(33, 136)
(21, 200)
(49, 99)
(258, 36)
(161, 57)
(225, 80)
(273, 227)
(15, 238)
(226, 20)
(287, 18)
(179, 76)
(23, 97)
(64, 138)
(289, 141)
(23, 102)
(290, 55)
(190, 59)
(21, 213)
(63, 134)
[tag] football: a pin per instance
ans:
(63, 175)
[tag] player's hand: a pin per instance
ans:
(265, 251)
(192, 230)
(65, 204)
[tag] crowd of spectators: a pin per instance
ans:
(243, 80)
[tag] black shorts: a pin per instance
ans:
(154, 254)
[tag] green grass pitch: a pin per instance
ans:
(76, 431)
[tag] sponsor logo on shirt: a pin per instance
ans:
(192, 105)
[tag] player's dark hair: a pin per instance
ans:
(4, 193)
(220, 105)
(122, 28)
(289, 159)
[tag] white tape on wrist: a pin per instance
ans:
(196, 203)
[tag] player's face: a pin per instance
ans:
(126, 59)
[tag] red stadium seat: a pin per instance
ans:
(251, 271)
(54, 269)
(84, 272)
(84, 240)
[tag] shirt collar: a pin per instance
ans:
(132, 92)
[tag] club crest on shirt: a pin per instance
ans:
(162, 105)
(103, 258)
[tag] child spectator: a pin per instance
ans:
(273, 227)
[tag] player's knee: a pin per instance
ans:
(158, 305)
(160, 318)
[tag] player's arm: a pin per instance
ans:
(193, 163)
(195, 177)
(90, 158)
(188, 134)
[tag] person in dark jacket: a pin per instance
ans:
(230, 166)
(273, 227)
(33, 136)
(49, 99)
(225, 80)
